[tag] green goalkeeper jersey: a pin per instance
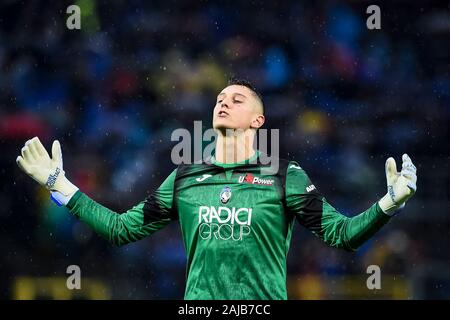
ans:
(236, 222)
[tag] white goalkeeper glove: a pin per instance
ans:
(401, 185)
(36, 162)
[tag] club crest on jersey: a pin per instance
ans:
(250, 178)
(225, 195)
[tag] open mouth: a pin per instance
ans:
(222, 114)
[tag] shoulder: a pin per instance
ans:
(197, 168)
(283, 166)
(297, 179)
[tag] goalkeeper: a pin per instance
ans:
(236, 217)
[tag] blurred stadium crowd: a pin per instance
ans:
(345, 98)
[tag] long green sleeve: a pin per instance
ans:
(340, 231)
(142, 220)
(314, 212)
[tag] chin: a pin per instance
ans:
(222, 125)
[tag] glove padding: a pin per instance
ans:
(401, 185)
(36, 162)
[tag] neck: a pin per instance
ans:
(234, 145)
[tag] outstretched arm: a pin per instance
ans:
(142, 220)
(337, 230)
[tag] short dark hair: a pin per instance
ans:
(249, 85)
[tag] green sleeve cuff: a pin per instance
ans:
(383, 216)
(367, 224)
(74, 200)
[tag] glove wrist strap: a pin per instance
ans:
(63, 191)
(388, 206)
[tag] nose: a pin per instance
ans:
(224, 104)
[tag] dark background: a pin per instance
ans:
(344, 98)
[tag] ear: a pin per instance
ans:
(258, 122)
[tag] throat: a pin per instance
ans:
(234, 148)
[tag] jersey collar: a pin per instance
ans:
(228, 165)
